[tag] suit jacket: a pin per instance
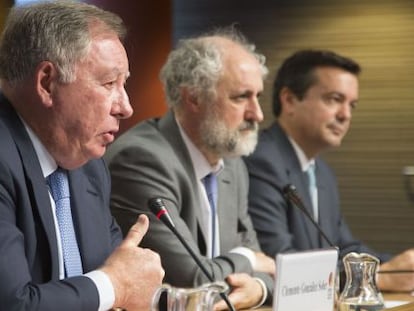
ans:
(29, 268)
(281, 227)
(151, 160)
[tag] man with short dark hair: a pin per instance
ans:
(315, 93)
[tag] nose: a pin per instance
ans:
(345, 112)
(254, 111)
(122, 108)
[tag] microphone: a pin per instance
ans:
(292, 196)
(157, 206)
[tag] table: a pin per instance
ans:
(387, 296)
(398, 296)
(403, 297)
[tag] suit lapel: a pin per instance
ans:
(85, 213)
(324, 204)
(35, 181)
(297, 178)
(226, 209)
(169, 128)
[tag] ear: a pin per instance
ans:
(189, 100)
(288, 100)
(46, 76)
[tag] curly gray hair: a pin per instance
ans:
(196, 63)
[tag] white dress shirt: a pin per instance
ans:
(201, 169)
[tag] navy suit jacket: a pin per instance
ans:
(29, 268)
(281, 227)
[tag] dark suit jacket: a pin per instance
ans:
(151, 160)
(281, 227)
(29, 269)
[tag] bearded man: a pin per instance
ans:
(212, 83)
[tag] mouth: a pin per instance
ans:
(338, 131)
(109, 136)
(248, 126)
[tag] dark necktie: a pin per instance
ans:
(210, 183)
(59, 188)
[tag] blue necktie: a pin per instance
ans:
(313, 190)
(210, 183)
(59, 188)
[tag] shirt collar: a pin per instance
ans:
(47, 163)
(200, 164)
(303, 159)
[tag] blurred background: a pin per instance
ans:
(377, 200)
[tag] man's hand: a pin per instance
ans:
(265, 264)
(397, 281)
(135, 272)
(246, 292)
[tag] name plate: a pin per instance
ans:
(305, 280)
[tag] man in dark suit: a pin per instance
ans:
(62, 72)
(212, 85)
(315, 93)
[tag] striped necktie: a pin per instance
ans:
(59, 188)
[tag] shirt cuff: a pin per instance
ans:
(264, 297)
(246, 252)
(105, 289)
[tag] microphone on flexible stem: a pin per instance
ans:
(291, 194)
(157, 206)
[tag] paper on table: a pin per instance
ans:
(394, 303)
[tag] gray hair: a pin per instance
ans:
(55, 31)
(196, 63)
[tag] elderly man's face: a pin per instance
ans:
(231, 119)
(88, 109)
